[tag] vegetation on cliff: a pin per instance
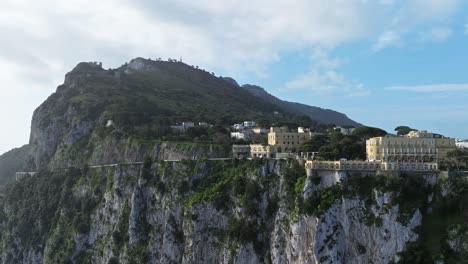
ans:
(335, 145)
(11, 162)
(146, 100)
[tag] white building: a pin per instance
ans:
(462, 144)
(204, 124)
(249, 124)
(240, 135)
(238, 126)
(345, 131)
(184, 126)
(259, 130)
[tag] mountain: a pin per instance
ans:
(178, 206)
(325, 116)
(142, 99)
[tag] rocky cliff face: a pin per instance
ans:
(209, 212)
(69, 128)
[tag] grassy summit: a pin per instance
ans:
(152, 95)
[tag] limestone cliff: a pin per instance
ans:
(259, 211)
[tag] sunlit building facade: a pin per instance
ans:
(417, 146)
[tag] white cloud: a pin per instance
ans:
(437, 34)
(387, 39)
(417, 11)
(432, 88)
(412, 13)
(324, 79)
(42, 40)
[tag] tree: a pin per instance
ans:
(366, 132)
(458, 156)
(315, 143)
(404, 130)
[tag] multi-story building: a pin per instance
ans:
(249, 124)
(262, 151)
(358, 165)
(417, 146)
(281, 139)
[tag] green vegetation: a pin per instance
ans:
(458, 157)
(319, 202)
(52, 208)
(404, 130)
(146, 103)
(222, 177)
(365, 132)
(11, 162)
(445, 222)
(335, 146)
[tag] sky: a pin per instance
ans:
(384, 63)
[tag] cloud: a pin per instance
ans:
(42, 40)
(387, 39)
(323, 78)
(412, 14)
(432, 88)
(419, 11)
(436, 34)
(45, 39)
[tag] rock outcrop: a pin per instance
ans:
(205, 212)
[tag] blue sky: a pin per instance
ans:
(383, 63)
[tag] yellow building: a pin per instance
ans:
(357, 165)
(281, 139)
(417, 146)
(262, 151)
